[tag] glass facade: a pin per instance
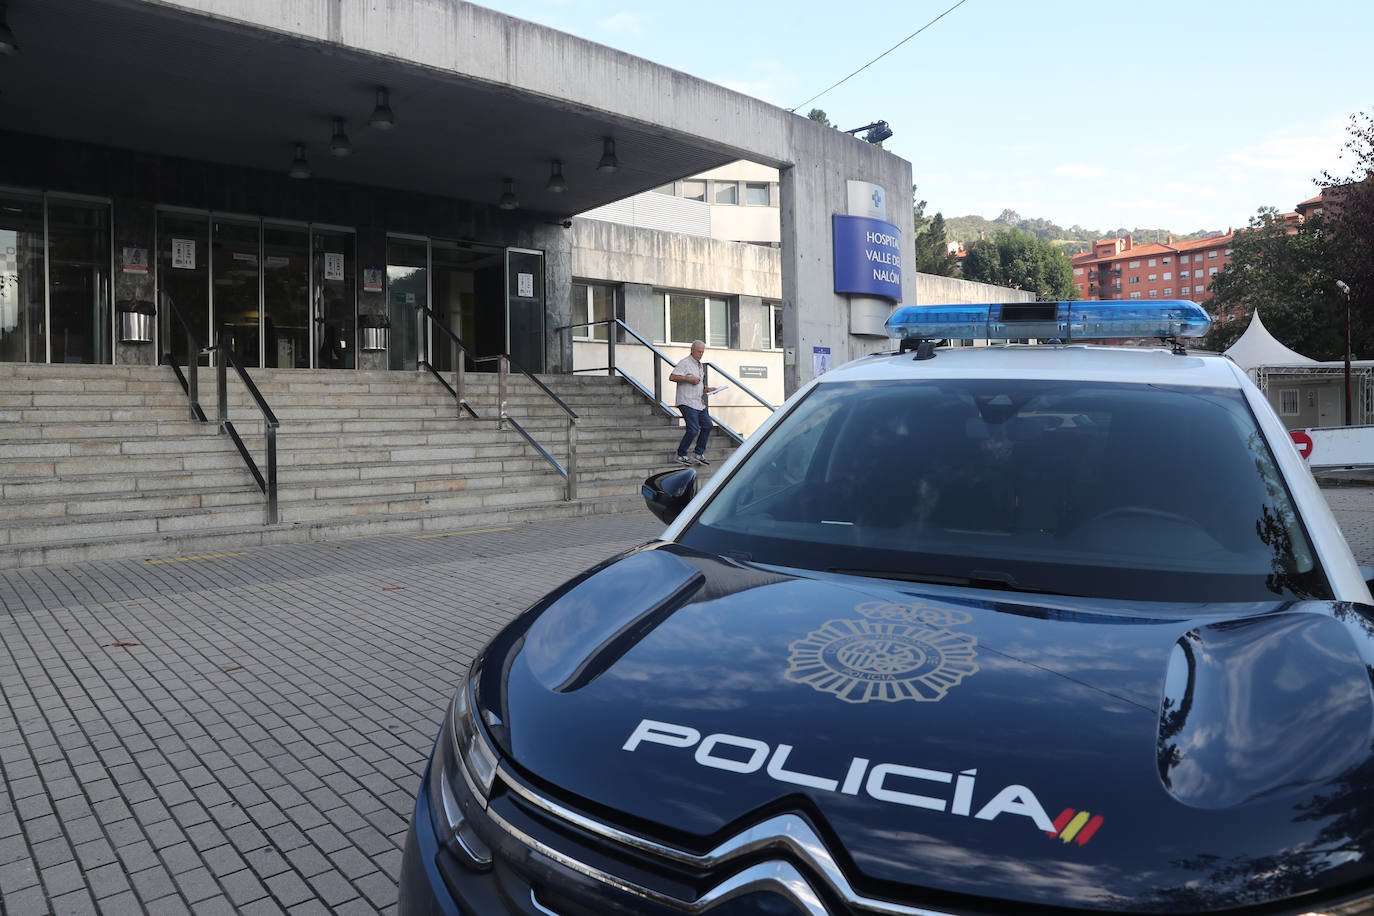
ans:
(23, 281)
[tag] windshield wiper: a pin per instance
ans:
(991, 579)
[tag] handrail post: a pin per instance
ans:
(271, 473)
(222, 385)
(658, 379)
(610, 348)
(503, 369)
(458, 372)
(572, 459)
(192, 361)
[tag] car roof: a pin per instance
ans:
(1070, 362)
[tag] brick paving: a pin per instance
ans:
(245, 733)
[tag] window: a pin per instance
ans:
(1212, 255)
(1154, 294)
(1135, 281)
(1078, 271)
(1133, 264)
(1153, 277)
(726, 192)
(1211, 271)
(1135, 295)
(771, 324)
(1184, 274)
(1166, 260)
(665, 189)
(694, 190)
(1152, 262)
(1168, 275)
(592, 302)
(756, 194)
(1168, 290)
(1288, 402)
(1228, 251)
(686, 317)
(1199, 289)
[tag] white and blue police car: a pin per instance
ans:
(983, 630)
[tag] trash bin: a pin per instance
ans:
(135, 320)
(373, 331)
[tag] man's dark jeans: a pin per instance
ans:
(698, 427)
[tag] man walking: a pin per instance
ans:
(688, 374)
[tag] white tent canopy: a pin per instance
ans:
(1257, 347)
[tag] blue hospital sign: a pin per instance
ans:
(868, 256)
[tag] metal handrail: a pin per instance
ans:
(270, 425)
(657, 395)
(193, 352)
(190, 384)
(504, 361)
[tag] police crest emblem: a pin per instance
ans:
(898, 652)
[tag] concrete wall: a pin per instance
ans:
(613, 253)
(933, 290)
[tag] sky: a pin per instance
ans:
(1184, 117)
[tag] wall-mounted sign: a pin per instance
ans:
(863, 198)
(134, 259)
(524, 285)
(333, 265)
(753, 372)
(372, 279)
(184, 254)
(820, 360)
(868, 256)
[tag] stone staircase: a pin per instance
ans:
(103, 462)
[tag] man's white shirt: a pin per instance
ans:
(687, 393)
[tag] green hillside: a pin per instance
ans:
(1075, 239)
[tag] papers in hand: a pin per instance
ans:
(717, 390)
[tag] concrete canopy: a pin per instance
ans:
(241, 83)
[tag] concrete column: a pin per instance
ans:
(371, 256)
(135, 228)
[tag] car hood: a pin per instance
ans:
(1057, 751)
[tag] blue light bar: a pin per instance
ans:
(1088, 319)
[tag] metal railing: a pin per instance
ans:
(656, 395)
(504, 362)
(191, 385)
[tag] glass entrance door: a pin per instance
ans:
(183, 280)
(23, 328)
(525, 307)
(334, 274)
(237, 281)
(407, 287)
(79, 281)
(286, 296)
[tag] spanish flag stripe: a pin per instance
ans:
(1087, 832)
(1075, 825)
(1060, 821)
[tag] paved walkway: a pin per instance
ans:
(244, 733)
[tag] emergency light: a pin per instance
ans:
(1088, 319)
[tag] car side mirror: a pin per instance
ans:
(668, 493)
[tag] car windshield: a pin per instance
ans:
(1125, 491)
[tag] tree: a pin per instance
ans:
(818, 114)
(1013, 258)
(932, 241)
(1351, 222)
(1283, 269)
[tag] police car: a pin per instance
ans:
(1002, 629)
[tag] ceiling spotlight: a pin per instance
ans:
(8, 44)
(556, 183)
(338, 144)
(382, 118)
(508, 201)
(299, 167)
(608, 163)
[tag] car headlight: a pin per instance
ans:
(460, 778)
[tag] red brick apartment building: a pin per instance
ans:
(1117, 268)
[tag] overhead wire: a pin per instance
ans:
(882, 55)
